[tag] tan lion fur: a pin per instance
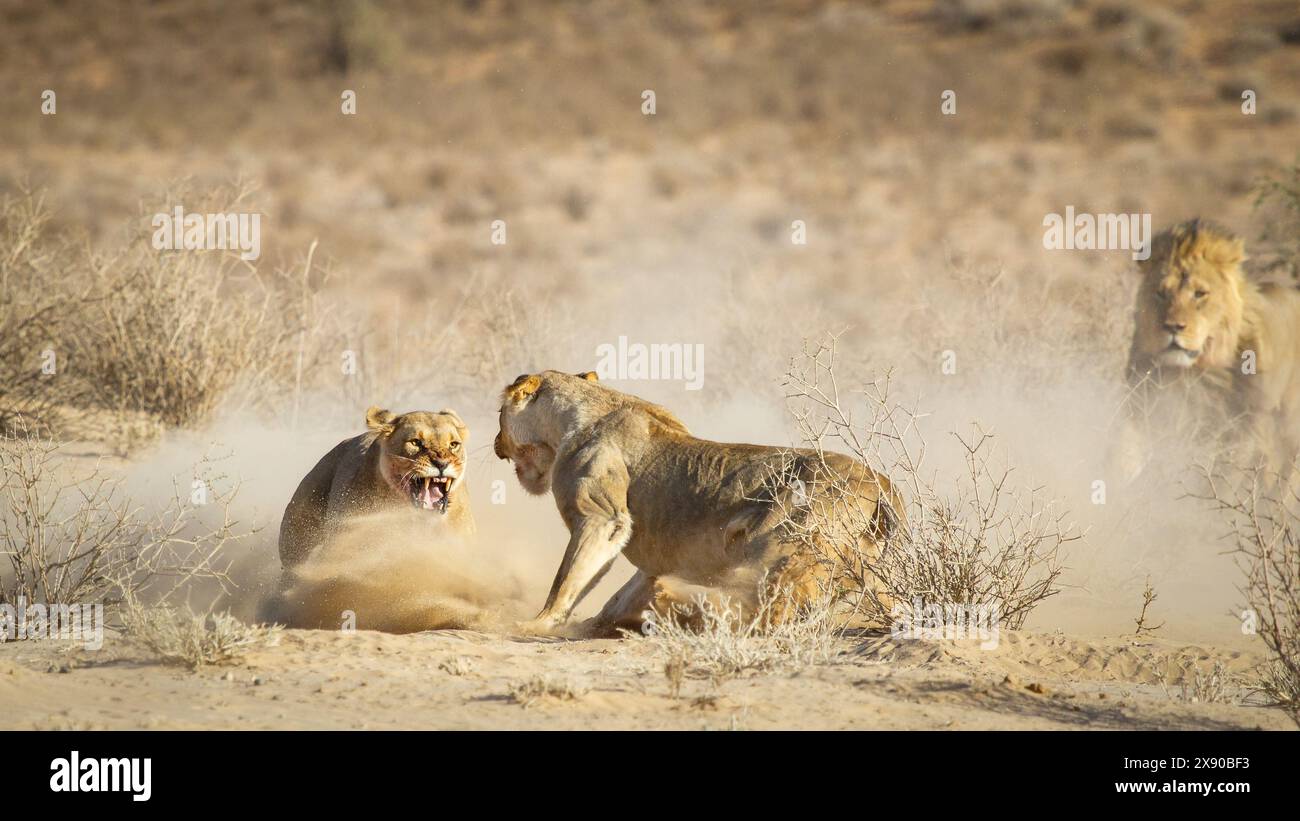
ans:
(1200, 317)
(629, 478)
(362, 476)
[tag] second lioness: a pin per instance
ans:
(629, 478)
(412, 461)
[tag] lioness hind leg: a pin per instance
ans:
(625, 610)
(649, 598)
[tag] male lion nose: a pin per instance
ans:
(1175, 327)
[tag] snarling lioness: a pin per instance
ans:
(1200, 318)
(415, 461)
(629, 478)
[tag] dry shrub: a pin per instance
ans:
(180, 637)
(539, 689)
(40, 305)
(457, 665)
(1214, 685)
(177, 333)
(717, 639)
(1263, 514)
(979, 540)
(136, 330)
(76, 538)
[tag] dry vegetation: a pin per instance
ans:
(540, 689)
(176, 334)
(76, 537)
(178, 636)
(1214, 685)
(178, 337)
(718, 640)
(172, 335)
(39, 307)
(975, 539)
(1263, 513)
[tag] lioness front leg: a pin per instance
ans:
(593, 546)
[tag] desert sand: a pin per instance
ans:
(467, 680)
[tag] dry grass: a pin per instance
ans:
(170, 334)
(180, 332)
(184, 638)
(40, 307)
(180, 336)
(1207, 686)
(718, 640)
(457, 665)
(539, 689)
(1263, 514)
(1278, 201)
(77, 538)
(977, 540)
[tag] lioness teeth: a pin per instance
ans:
(432, 492)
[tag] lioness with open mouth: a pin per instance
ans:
(629, 478)
(414, 460)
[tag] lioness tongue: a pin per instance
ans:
(432, 494)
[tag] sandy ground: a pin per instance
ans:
(465, 680)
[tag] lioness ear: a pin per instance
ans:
(380, 420)
(590, 376)
(523, 387)
(461, 427)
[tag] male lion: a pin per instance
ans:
(1200, 318)
(414, 461)
(628, 477)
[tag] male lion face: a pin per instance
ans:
(423, 455)
(1189, 301)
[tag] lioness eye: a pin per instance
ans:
(455, 446)
(415, 443)
(1201, 294)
